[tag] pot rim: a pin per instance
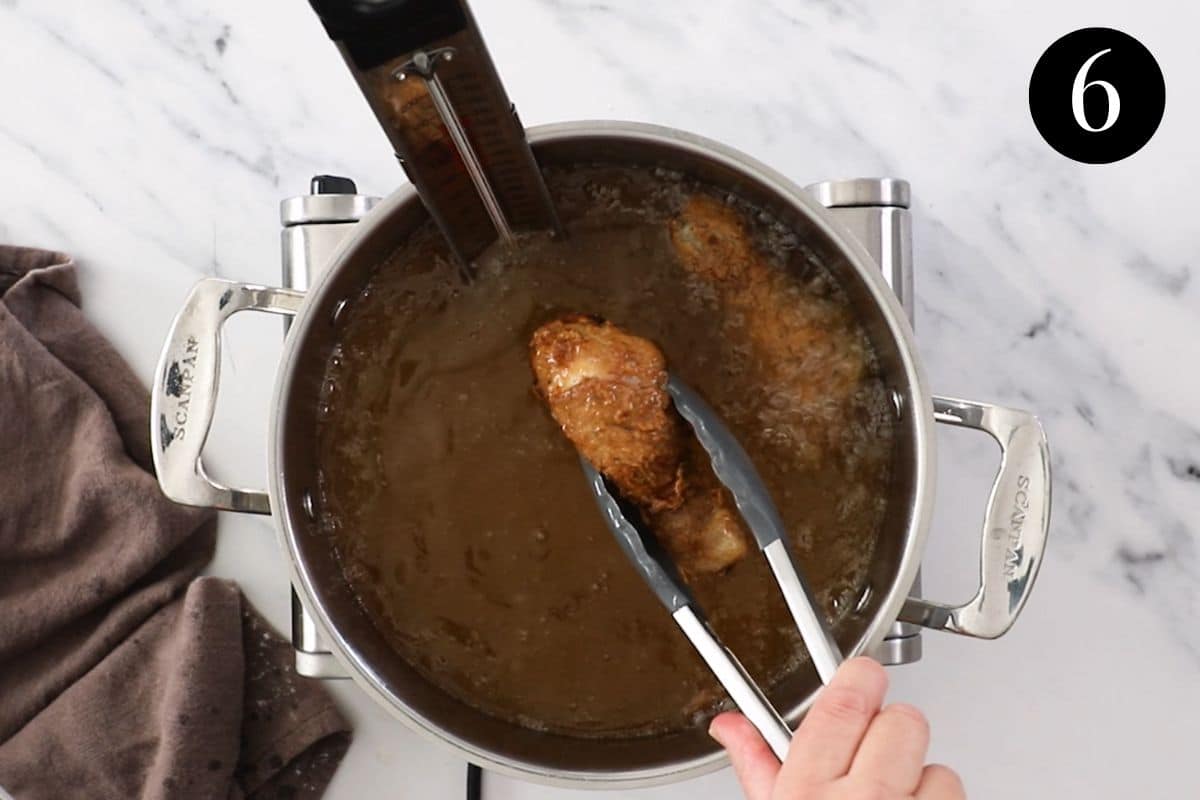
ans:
(922, 416)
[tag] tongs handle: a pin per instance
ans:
(814, 630)
(737, 682)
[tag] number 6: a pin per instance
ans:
(1082, 84)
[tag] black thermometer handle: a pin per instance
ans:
(376, 31)
(424, 69)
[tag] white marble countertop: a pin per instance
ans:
(154, 141)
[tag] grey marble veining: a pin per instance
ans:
(155, 140)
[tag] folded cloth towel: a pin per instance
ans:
(122, 674)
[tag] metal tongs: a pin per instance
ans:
(733, 468)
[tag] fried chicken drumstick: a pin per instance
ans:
(607, 390)
(805, 346)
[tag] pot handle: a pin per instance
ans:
(184, 394)
(1014, 528)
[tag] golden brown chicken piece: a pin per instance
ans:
(607, 390)
(705, 534)
(807, 348)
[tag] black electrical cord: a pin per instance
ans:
(474, 782)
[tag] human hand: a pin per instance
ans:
(845, 749)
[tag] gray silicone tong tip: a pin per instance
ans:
(730, 463)
(657, 573)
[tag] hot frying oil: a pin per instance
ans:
(459, 511)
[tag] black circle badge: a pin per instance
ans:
(1097, 95)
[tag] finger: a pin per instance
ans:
(893, 750)
(756, 766)
(824, 746)
(940, 783)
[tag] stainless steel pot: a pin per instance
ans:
(1013, 536)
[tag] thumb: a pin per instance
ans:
(753, 761)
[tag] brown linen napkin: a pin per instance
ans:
(122, 674)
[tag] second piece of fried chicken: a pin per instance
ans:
(607, 390)
(809, 341)
(809, 357)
